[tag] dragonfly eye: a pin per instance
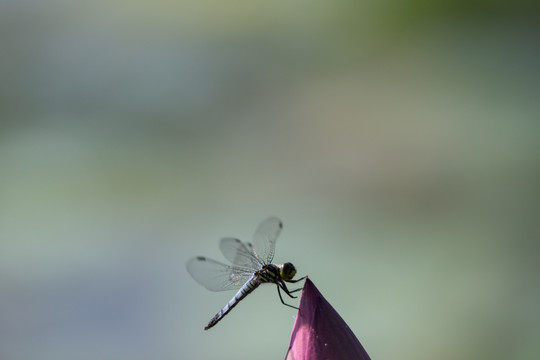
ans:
(288, 271)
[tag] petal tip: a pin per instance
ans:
(320, 333)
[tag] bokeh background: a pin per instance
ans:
(397, 140)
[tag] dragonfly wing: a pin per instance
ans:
(240, 253)
(216, 276)
(265, 238)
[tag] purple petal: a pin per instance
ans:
(320, 333)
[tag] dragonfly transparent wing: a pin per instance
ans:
(264, 240)
(240, 253)
(216, 276)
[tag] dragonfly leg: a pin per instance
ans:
(283, 302)
(297, 280)
(284, 288)
(293, 281)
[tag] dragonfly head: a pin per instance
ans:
(287, 271)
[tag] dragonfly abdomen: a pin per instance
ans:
(244, 291)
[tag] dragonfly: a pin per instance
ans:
(251, 266)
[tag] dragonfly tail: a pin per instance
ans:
(241, 294)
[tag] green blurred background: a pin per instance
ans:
(397, 140)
